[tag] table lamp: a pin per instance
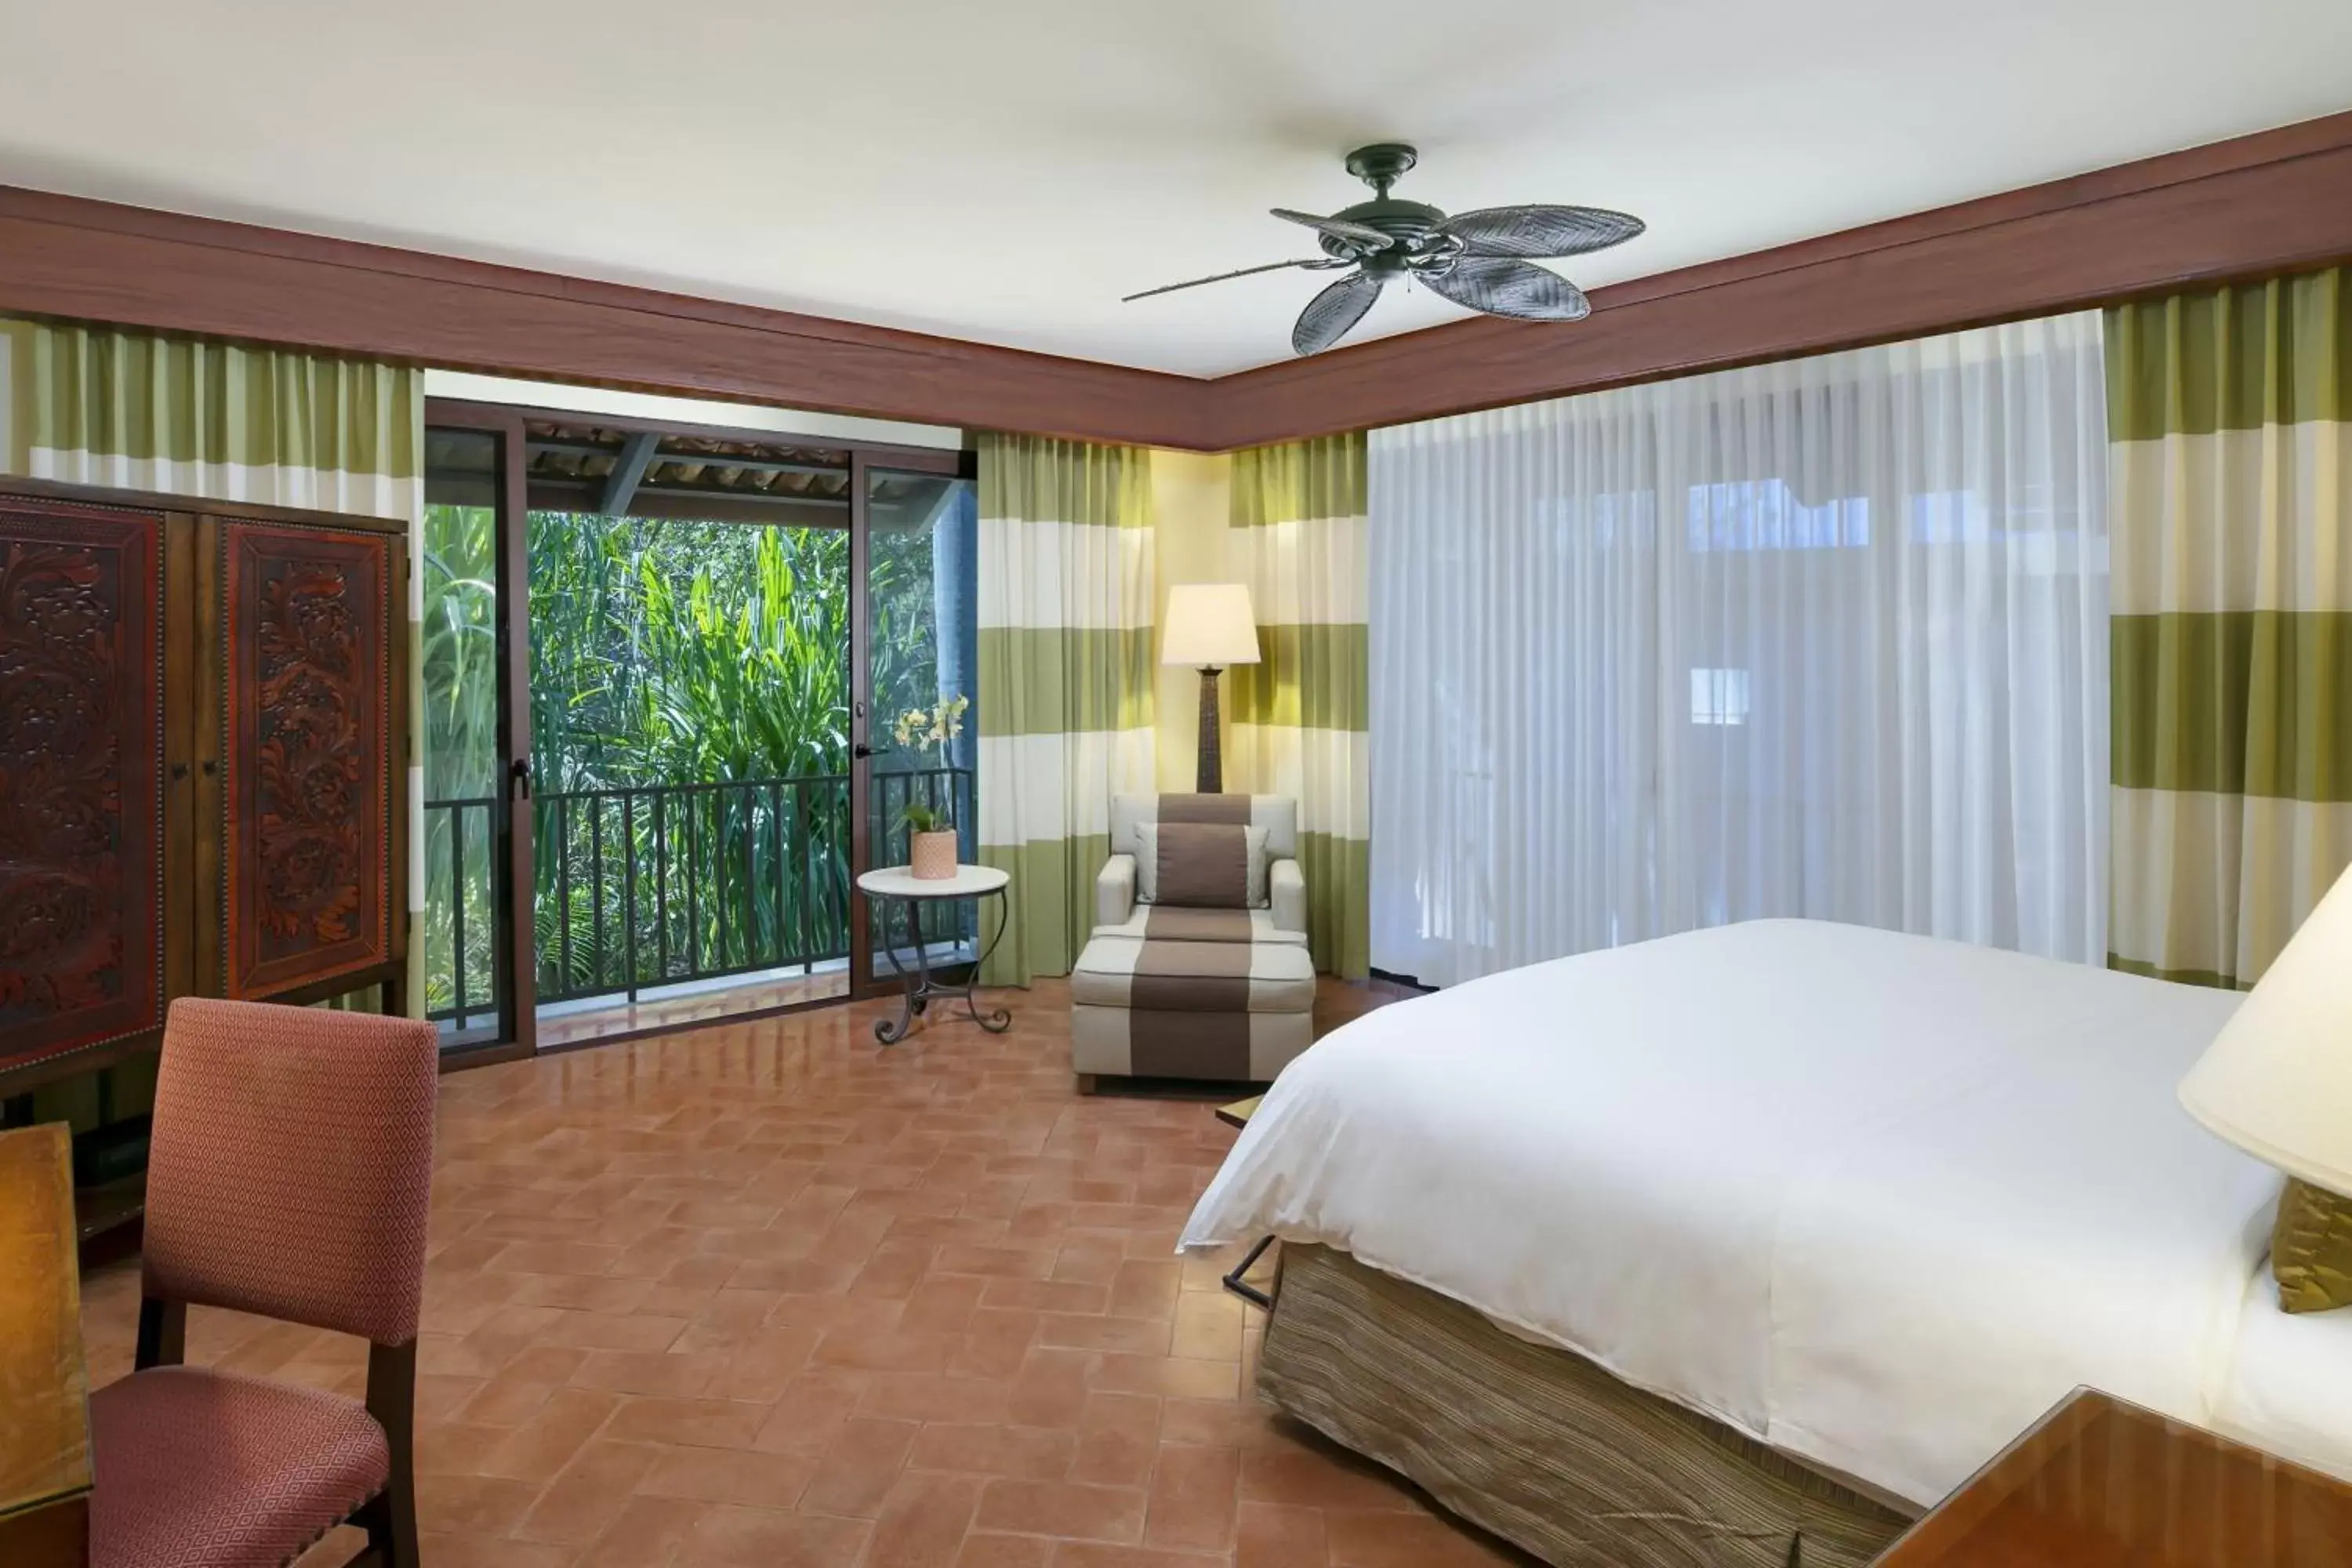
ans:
(2277, 1080)
(1209, 625)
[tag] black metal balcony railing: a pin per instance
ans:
(459, 935)
(665, 884)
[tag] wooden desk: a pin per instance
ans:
(2098, 1483)
(44, 1386)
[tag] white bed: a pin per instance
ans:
(1876, 1200)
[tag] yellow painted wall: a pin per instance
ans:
(1191, 498)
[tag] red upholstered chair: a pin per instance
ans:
(289, 1173)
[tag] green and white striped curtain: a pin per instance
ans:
(1301, 715)
(1066, 679)
(2230, 411)
(109, 406)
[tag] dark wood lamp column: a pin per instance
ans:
(1209, 626)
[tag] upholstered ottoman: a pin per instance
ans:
(1146, 1006)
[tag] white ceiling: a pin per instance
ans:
(1005, 170)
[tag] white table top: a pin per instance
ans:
(899, 882)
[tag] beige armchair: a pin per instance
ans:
(1170, 989)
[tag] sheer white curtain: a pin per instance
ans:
(1826, 637)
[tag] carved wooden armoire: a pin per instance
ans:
(201, 743)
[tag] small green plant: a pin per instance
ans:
(920, 818)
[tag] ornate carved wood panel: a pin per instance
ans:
(307, 755)
(81, 759)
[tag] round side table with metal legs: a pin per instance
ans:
(896, 884)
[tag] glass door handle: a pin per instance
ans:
(861, 750)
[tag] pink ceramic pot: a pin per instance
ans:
(932, 856)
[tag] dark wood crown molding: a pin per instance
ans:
(2263, 204)
(66, 256)
(2250, 207)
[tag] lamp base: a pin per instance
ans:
(1210, 778)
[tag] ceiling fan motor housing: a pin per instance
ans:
(1410, 223)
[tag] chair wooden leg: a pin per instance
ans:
(374, 1516)
(390, 1543)
(163, 1334)
(390, 1519)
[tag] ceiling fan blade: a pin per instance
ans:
(1505, 286)
(1330, 314)
(1243, 272)
(1356, 233)
(1540, 231)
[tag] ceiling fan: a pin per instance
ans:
(1480, 259)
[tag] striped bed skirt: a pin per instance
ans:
(1539, 1445)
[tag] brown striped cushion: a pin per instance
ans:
(1195, 977)
(1207, 866)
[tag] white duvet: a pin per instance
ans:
(1878, 1200)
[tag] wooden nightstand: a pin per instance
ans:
(2098, 1483)
(1238, 1113)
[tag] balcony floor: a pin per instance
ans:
(584, 1023)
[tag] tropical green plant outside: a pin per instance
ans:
(460, 722)
(663, 653)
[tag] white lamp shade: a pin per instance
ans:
(1209, 625)
(2277, 1080)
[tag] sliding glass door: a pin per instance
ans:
(475, 846)
(921, 527)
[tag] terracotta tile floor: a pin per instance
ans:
(768, 1294)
